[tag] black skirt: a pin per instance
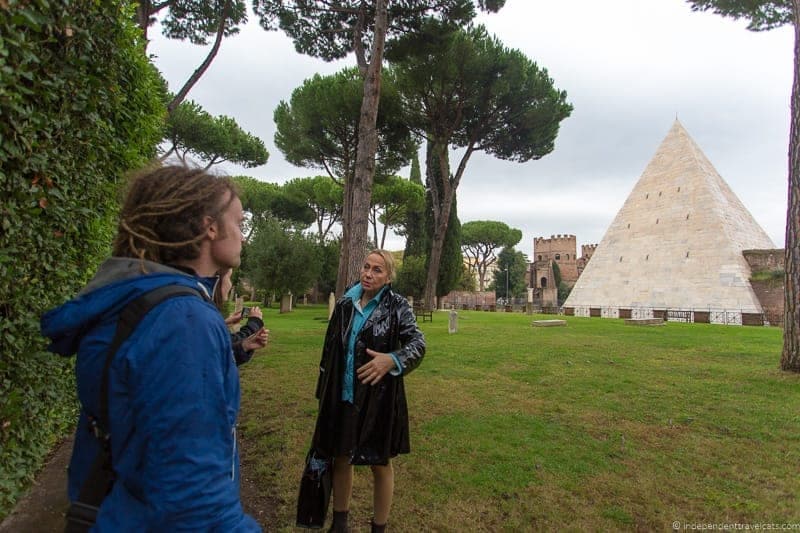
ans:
(345, 429)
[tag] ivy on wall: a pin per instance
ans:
(80, 106)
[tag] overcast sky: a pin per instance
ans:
(629, 67)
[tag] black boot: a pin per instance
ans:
(378, 529)
(339, 524)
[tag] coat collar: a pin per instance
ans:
(383, 307)
(347, 301)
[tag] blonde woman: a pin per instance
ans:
(371, 344)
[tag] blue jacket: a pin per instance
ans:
(173, 402)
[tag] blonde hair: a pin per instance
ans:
(388, 260)
(219, 297)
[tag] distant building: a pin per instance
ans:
(587, 250)
(561, 250)
(488, 276)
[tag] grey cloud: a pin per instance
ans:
(628, 67)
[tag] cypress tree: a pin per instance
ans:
(416, 241)
(452, 260)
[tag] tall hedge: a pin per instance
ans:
(80, 105)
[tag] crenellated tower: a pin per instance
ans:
(587, 250)
(562, 250)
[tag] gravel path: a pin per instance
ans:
(42, 509)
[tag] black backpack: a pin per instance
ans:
(82, 513)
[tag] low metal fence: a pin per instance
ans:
(737, 317)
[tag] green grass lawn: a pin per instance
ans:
(596, 425)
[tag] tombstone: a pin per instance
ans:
(305, 299)
(286, 303)
(548, 323)
(331, 304)
(452, 326)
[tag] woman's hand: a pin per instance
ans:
(256, 341)
(235, 318)
(372, 372)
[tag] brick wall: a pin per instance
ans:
(760, 260)
(770, 295)
(770, 292)
(458, 299)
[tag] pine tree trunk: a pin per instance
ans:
(143, 18)
(357, 244)
(342, 279)
(374, 215)
(438, 179)
(435, 261)
(790, 359)
(383, 236)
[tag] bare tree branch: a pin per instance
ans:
(198, 73)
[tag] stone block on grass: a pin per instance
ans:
(548, 323)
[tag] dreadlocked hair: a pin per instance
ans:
(163, 217)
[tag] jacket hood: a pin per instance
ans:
(118, 281)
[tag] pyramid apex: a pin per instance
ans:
(678, 138)
(676, 125)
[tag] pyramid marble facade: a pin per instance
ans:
(676, 243)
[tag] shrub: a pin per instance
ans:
(81, 105)
(768, 275)
(411, 276)
(563, 292)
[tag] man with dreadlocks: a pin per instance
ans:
(172, 386)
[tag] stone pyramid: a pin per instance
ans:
(676, 243)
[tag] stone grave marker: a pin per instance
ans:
(452, 326)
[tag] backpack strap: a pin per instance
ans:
(83, 512)
(131, 315)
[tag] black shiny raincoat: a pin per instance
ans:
(382, 424)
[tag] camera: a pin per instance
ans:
(245, 312)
